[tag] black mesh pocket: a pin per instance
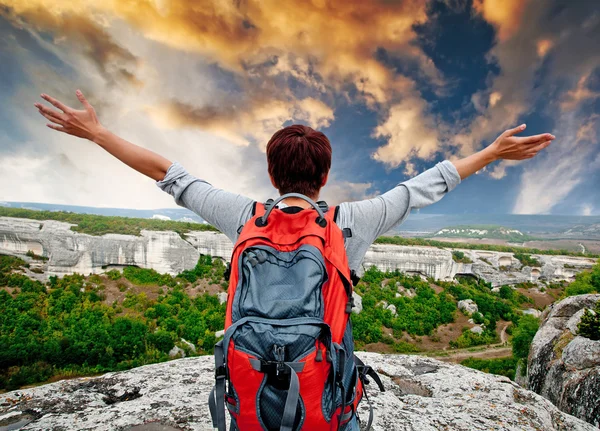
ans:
(271, 403)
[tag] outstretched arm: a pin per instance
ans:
(508, 147)
(224, 210)
(374, 217)
(85, 124)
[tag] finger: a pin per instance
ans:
(535, 138)
(55, 102)
(83, 100)
(49, 112)
(53, 119)
(512, 132)
(58, 128)
(541, 146)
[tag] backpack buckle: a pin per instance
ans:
(220, 372)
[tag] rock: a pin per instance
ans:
(422, 394)
(222, 297)
(382, 304)
(392, 308)
(582, 353)
(468, 306)
(404, 291)
(563, 367)
(357, 299)
(220, 333)
(176, 352)
(190, 345)
(533, 312)
(168, 252)
(477, 329)
(496, 290)
(471, 321)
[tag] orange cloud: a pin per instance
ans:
(335, 39)
(253, 122)
(505, 15)
(572, 99)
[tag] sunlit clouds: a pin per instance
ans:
(207, 83)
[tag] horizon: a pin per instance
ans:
(406, 86)
(414, 212)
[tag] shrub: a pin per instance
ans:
(501, 366)
(523, 334)
(589, 326)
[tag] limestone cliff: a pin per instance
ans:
(167, 252)
(565, 367)
(422, 394)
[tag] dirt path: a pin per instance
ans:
(460, 355)
(503, 334)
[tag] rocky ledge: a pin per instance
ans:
(563, 366)
(422, 394)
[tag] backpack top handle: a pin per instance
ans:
(262, 221)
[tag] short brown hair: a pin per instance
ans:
(298, 158)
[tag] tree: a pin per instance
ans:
(589, 326)
(523, 335)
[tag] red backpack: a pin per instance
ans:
(287, 355)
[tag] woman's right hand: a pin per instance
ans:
(81, 123)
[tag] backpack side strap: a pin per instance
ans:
(216, 399)
(363, 372)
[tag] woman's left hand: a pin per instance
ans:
(510, 147)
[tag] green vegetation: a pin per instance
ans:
(589, 326)
(585, 282)
(418, 315)
(527, 260)
(34, 256)
(421, 314)
(99, 225)
(501, 366)
(397, 240)
(459, 257)
(65, 328)
(525, 328)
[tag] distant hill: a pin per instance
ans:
(176, 214)
(483, 231)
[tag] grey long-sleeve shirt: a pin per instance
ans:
(367, 219)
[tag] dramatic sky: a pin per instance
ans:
(397, 86)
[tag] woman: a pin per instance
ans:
(299, 159)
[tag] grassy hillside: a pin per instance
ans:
(398, 240)
(99, 225)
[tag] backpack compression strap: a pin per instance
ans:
(363, 372)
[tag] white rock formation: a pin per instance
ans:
(222, 297)
(392, 308)
(176, 352)
(563, 367)
(477, 329)
(468, 306)
(190, 345)
(167, 252)
(533, 312)
(422, 394)
(70, 252)
(357, 308)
